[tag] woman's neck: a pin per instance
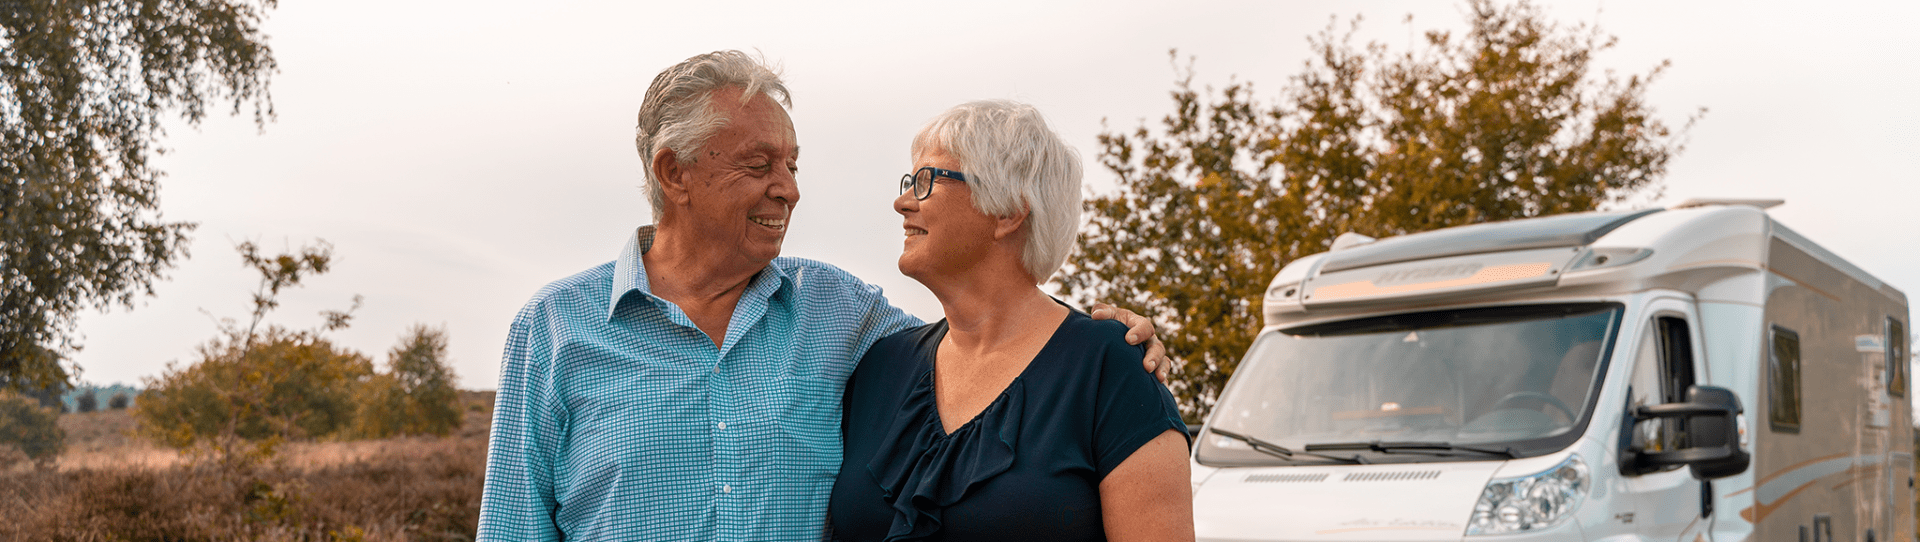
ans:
(983, 315)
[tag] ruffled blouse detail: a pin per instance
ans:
(922, 469)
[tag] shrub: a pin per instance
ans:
(416, 396)
(118, 401)
(28, 431)
(86, 402)
(285, 385)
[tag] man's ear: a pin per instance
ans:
(670, 173)
(1008, 225)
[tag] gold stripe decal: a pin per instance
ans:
(1488, 275)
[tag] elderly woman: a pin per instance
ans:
(1015, 417)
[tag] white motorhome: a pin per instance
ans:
(1692, 374)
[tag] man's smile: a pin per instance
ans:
(777, 224)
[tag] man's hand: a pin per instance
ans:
(1139, 329)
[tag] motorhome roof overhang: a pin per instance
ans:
(1480, 258)
(1561, 231)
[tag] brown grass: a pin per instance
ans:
(112, 486)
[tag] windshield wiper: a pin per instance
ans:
(1279, 451)
(1430, 448)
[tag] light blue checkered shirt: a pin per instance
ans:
(617, 419)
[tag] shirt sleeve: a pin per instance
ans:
(518, 503)
(878, 317)
(1131, 407)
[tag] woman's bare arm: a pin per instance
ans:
(1150, 496)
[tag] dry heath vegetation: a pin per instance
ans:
(112, 485)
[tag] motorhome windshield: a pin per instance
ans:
(1461, 385)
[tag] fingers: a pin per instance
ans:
(1101, 311)
(1157, 361)
(1139, 328)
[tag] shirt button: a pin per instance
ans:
(726, 488)
(723, 425)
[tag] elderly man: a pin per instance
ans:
(691, 388)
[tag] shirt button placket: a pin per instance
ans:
(725, 447)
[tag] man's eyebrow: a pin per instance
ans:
(769, 148)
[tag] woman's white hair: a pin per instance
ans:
(678, 113)
(1014, 161)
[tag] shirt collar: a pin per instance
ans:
(630, 271)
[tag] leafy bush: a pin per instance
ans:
(285, 385)
(416, 396)
(86, 402)
(28, 431)
(118, 401)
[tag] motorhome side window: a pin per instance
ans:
(1896, 357)
(1662, 372)
(1783, 380)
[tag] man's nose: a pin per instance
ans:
(786, 187)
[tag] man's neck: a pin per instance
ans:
(705, 283)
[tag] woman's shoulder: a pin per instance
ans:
(1083, 332)
(900, 350)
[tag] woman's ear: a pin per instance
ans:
(1008, 225)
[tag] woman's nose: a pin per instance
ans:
(904, 203)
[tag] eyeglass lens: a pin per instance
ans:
(920, 182)
(923, 183)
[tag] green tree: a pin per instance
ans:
(1505, 122)
(84, 87)
(86, 402)
(416, 396)
(28, 431)
(253, 389)
(118, 401)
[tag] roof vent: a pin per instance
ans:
(1348, 240)
(1703, 202)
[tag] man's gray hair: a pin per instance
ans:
(1014, 161)
(678, 114)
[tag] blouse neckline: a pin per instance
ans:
(930, 364)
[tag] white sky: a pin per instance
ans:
(460, 155)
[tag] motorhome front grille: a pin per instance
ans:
(1253, 478)
(1391, 476)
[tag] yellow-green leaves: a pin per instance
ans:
(1506, 121)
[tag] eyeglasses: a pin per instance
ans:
(921, 181)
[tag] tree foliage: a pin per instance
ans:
(252, 389)
(1506, 121)
(84, 87)
(28, 431)
(86, 402)
(118, 401)
(417, 394)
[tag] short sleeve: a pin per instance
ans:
(1131, 407)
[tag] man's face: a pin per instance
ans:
(741, 187)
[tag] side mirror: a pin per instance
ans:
(1713, 435)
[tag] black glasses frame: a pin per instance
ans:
(921, 180)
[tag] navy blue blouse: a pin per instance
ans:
(1028, 467)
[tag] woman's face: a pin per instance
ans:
(945, 234)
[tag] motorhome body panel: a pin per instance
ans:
(1827, 428)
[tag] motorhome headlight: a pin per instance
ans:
(1511, 505)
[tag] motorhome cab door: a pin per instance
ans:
(1666, 502)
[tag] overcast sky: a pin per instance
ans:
(460, 155)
